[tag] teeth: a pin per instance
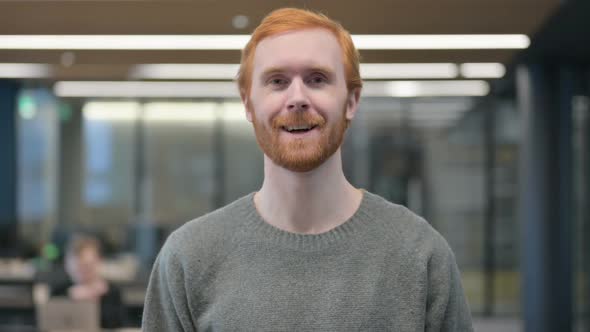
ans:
(298, 128)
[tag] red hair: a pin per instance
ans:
(290, 19)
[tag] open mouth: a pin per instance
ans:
(298, 129)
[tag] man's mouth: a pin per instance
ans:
(298, 129)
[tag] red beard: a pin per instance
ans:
(300, 154)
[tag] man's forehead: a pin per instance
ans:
(308, 48)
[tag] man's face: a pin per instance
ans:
(85, 266)
(298, 103)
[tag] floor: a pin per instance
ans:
(514, 324)
(497, 324)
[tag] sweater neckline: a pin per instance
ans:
(308, 242)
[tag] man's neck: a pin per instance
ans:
(310, 203)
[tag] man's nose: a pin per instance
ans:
(298, 99)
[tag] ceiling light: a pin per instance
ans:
(185, 71)
(240, 21)
(25, 70)
(123, 42)
(435, 115)
(234, 112)
(433, 123)
(187, 113)
(482, 70)
(408, 70)
(237, 42)
(443, 105)
(67, 59)
(145, 89)
(111, 111)
(439, 42)
(425, 88)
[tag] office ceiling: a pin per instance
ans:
(215, 17)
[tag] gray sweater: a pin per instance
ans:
(384, 269)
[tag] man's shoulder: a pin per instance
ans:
(217, 221)
(209, 233)
(404, 226)
(395, 216)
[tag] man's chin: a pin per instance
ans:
(301, 166)
(301, 161)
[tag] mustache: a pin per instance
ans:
(298, 119)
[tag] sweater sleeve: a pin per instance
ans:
(447, 308)
(166, 306)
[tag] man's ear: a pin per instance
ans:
(246, 102)
(352, 103)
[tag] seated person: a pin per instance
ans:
(82, 264)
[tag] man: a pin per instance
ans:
(308, 251)
(83, 260)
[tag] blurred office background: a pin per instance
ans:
(487, 138)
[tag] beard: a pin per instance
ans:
(300, 154)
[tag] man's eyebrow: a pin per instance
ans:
(277, 70)
(321, 69)
(271, 71)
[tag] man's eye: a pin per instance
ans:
(317, 79)
(277, 81)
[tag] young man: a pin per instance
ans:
(308, 251)
(83, 260)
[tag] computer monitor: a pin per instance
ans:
(64, 314)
